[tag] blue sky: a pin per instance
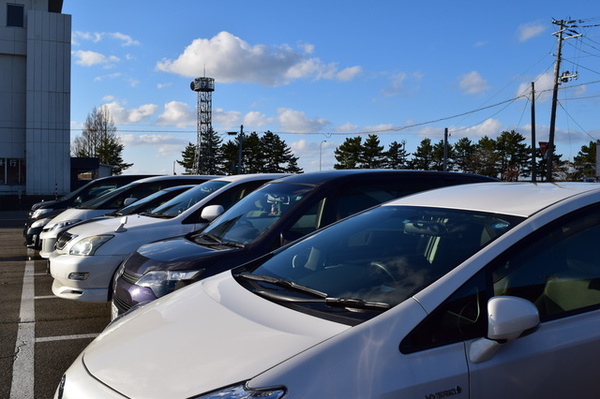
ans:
(317, 72)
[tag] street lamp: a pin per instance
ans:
(321, 153)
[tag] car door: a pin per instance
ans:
(557, 270)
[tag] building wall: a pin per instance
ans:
(35, 100)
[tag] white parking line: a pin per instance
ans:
(66, 337)
(22, 382)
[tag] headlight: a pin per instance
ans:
(243, 392)
(64, 223)
(163, 282)
(89, 245)
(40, 223)
(40, 212)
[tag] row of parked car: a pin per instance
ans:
(353, 284)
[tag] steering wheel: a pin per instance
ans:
(383, 269)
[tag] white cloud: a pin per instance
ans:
(125, 39)
(473, 83)
(228, 59)
(543, 85)
(529, 31)
(256, 119)
(490, 127)
(177, 114)
(124, 116)
(91, 58)
(97, 37)
(296, 122)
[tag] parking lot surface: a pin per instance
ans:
(41, 334)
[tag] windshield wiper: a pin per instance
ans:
(284, 283)
(353, 303)
(356, 303)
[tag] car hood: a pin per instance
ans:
(177, 249)
(109, 225)
(79, 214)
(208, 335)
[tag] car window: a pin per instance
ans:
(559, 271)
(249, 219)
(350, 200)
(384, 255)
(555, 268)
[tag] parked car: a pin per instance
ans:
(42, 212)
(146, 204)
(476, 291)
(87, 256)
(278, 213)
(109, 202)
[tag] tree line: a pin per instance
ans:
(507, 157)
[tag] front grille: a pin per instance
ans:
(131, 278)
(63, 239)
(121, 305)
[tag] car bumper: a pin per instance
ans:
(32, 238)
(83, 278)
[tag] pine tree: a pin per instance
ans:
(396, 156)
(514, 156)
(349, 154)
(189, 157)
(423, 156)
(373, 156)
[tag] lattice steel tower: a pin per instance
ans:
(202, 160)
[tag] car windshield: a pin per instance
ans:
(97, 201)
(186, 200)
(147, 204)
(373, 261)
(248, 219)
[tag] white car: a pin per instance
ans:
(477, 291)
(87, 255)
(109, 202)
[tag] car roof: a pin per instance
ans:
(251, 177)
(174, 177)
(518, 199)
(323, 177)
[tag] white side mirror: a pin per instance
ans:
(509, 317)
(211, 212)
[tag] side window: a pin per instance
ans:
(462, 316)
(230, 197)
(308, 222)
(558, 270)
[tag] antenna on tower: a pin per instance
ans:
(202, 160)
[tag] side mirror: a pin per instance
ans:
(211, 212)
(508, 319)
(129, 201)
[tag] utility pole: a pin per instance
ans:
(533, 151)
(563, 26)
(445, 149)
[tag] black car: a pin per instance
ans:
(42, 212)
(275, 214)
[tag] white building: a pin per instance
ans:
(35, 95)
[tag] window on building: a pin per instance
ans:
(12, 171)
(15, 15)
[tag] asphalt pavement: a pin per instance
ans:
(41, 335)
